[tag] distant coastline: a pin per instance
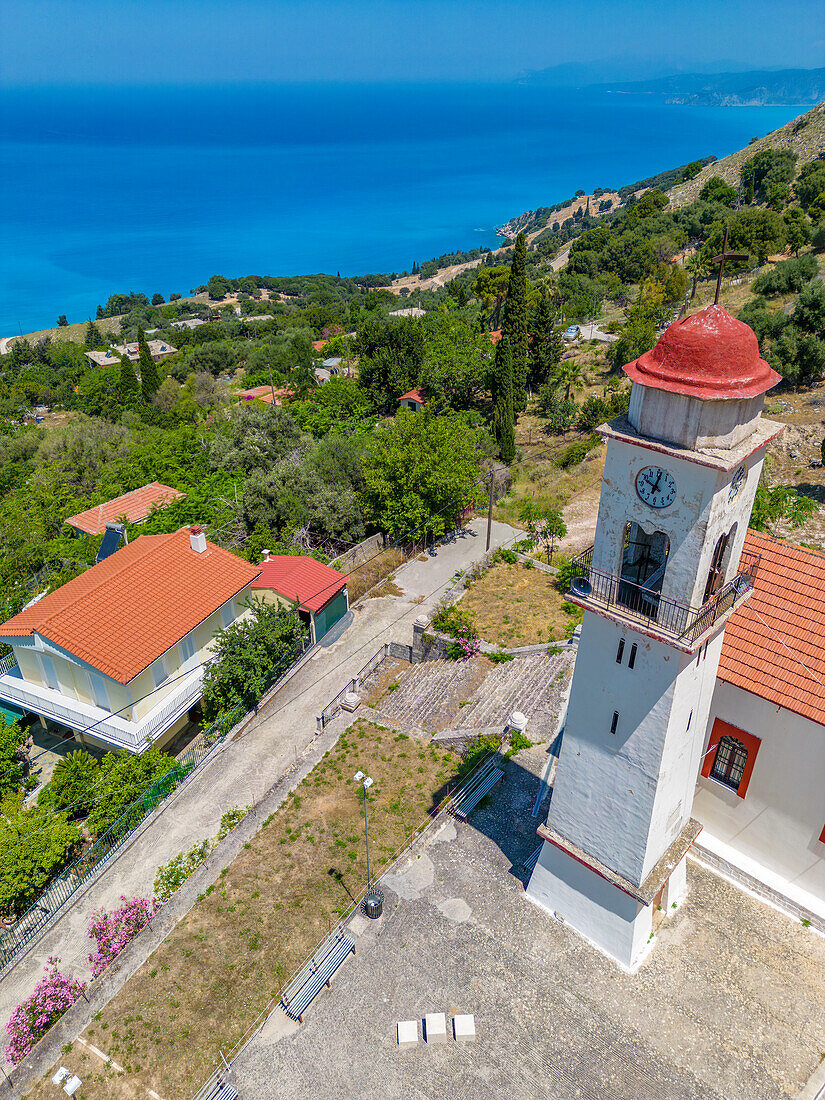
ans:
(279, 181)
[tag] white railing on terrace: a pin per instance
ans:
(117, 730)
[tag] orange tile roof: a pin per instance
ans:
(413, 395)
(122, 614)
(135, 506)
(309, 581)
(775, 643)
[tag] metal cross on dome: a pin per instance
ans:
(720, 259)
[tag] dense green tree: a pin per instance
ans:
(93, 338)
(392, 354)
(514, 323)
(420, 471)
(810, 182)
(490, 287)
(249, 656)
(546, 344)
(70, 788)
(715, 189)
(768, 168)
(149, 377)
(797, 229)
(14, 761)
(817, 207)
(545, 525)
(34, 845)
(503, 421)
(218, 287)
(62, 321)
(128, 387)
(780, 504)
(157, 299)
(456, 362)
(121, 780)
(294, 497)
(256, 436)
(789, 276)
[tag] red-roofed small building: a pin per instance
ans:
(133, 507)
(413, 399)
(761, 790)
(267, 394)
(116, 655)
(315, 590)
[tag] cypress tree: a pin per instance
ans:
(149, 378)
(503, 402)
(514, 325)
(128, 385)
(93, 336)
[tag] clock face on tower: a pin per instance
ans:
(656, 486)
(736, 484)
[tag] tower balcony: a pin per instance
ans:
(640, 605)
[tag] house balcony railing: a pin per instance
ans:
(679, 621)
(117, 730)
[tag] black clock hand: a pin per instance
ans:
(658, 479)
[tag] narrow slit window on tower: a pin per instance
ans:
(632, 660)
(615, 722)
(620, 651)
(690, 719)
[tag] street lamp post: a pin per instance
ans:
(373, 899)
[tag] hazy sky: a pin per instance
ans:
(185, 41)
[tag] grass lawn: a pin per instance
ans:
(513, 605)
(221, 966)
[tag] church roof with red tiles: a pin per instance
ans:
(775, 643)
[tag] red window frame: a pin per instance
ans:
(724, 729)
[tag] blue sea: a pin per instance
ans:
(156, 189)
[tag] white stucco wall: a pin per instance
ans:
(776, 826)
(604, 915)
(692, 421)
(700, 513)
(624, 797)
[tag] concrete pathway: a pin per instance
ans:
(246, 768)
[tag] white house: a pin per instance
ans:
(761, 791)
(158, 349)
(116, 655)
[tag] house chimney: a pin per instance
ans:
(264, 555)
(197, 539)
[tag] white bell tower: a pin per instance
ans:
(663, 576)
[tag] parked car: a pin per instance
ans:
(571, 333)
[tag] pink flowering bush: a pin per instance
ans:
(31, 1020)
(464, 646)
(112, 931)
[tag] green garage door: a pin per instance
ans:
(328, 616)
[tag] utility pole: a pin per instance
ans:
(490, 506)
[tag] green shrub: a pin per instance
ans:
(451, 618)
(506, 556)
(564, 578)
(518, 742)
(123, 779)
(478, 748)
(575, 452)
(172, 875)
(34, 845)
(70, 786)
(499, 656)
(233, 816)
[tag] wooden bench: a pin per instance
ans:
(476, 788)
(315, 974)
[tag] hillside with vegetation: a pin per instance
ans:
(336, 460)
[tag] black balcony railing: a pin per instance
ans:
(680, 620)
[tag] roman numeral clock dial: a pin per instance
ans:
(656, 486)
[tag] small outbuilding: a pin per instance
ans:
(414, 400)
(315, 590)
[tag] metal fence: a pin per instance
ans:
(672, 617)
(389, 649)
(93, 861)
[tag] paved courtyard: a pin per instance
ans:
(730, 1005)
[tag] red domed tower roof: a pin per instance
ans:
(709, 355)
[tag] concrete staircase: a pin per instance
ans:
(429, 695)
(534, 685)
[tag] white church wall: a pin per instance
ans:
(604, 915)
(773, 832)
(700, 513)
